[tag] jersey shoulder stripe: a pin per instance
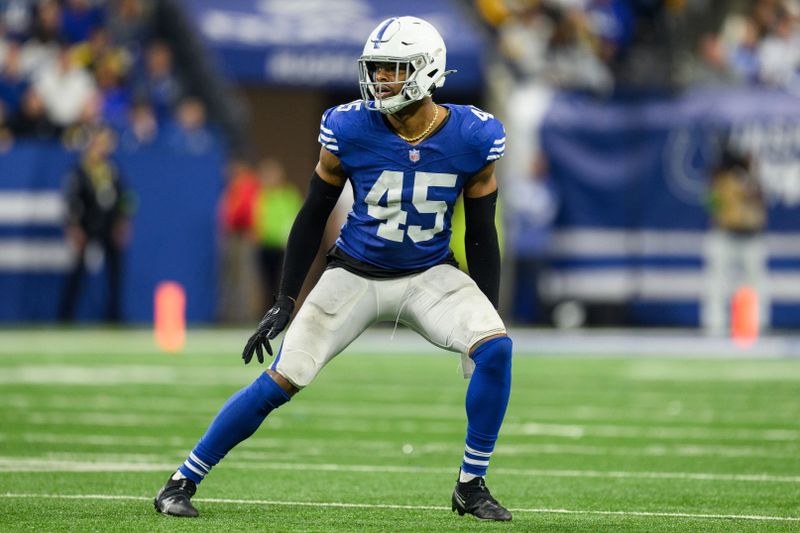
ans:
(497, 150)
(326, 136)
(482, 131)
(340, 123)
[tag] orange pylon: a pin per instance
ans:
(169, 316)
(744, 317)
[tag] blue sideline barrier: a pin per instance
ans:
(173, 238)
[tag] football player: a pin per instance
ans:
(407, 159)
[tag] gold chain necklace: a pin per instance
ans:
(424, 133)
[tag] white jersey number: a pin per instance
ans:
(352, 105)
(483, 115)
(390, 184)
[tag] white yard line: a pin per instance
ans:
(649, 413)
(392, 449)
(364, 425)
(97, 375)
(33, 464)
(526, 472)
(656, 411)
(651, 431)
(25, 464)
(349, 505)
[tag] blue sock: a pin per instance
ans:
(487, 399)
(238, 419)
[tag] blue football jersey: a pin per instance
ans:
(404, 194)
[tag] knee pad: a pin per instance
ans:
(494, 355)
(297, 366)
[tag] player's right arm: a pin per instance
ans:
(304, 241)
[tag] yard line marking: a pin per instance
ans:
(350, 505)
(27, 464)
(101, 439)
(697, 476)
(587, 414)
(367, 425)
(660, 514)
(390, 448)
(117, 375)
(634, 431)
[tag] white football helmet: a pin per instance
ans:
(415, 48)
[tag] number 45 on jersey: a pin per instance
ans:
(390, 184)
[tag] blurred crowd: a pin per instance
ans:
(757, 44)
(598, 45)
(71, 64)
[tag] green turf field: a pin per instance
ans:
(92, 423)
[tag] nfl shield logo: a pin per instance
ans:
(413, 155)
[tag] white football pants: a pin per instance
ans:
(442, 304)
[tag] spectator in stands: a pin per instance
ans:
(97, 220)
(12, 82)
(68, 92)
(277, 205)
(779, 53)
(159, 83)
(190, 132)
(611, 26)
(237, 300)
(115, 98)
(47, 22)
(764, 14)
(141, 128)
(31, 120)
(744, 51)
(130, 22)
(572, 60)
(553, 44)
(79, 18)
(735, 248)
(17, 18)
(99, 47)
(523, 39)
(712, 66)
(42, 48)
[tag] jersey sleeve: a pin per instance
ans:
(484, 135)
(495, 145)
(327, 132)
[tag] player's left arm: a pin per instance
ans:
(482, 247)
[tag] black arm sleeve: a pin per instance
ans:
(306, 235)
(483, 250)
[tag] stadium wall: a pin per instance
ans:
(632, 175)
(176, 188)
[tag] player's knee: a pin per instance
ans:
(282, 382)
(494, 355)
(297, 367)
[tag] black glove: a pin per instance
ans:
(273, 323)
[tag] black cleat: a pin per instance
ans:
(173, 498)
(473, 498)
